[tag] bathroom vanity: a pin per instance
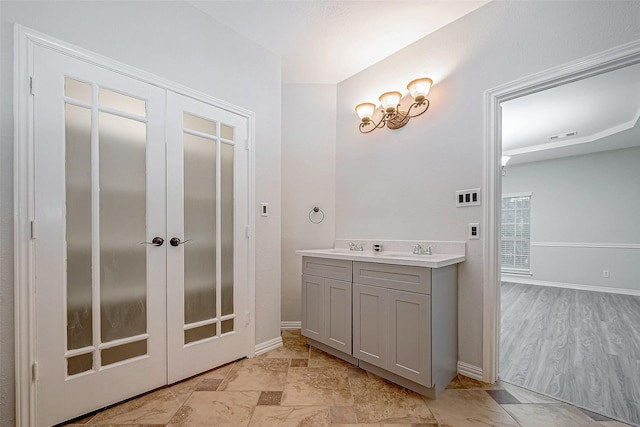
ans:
(392, 313)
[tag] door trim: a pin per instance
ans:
(608, 60)
(24, 285)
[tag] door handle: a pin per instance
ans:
(157, 241)
(175, 241)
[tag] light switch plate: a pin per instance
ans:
(469, 197)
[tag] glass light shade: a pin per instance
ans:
(419, 88)
(504, 160)
(365, 111)
(390, 101)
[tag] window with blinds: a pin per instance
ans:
(515, 244)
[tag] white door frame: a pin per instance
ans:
(599, 63)
(24, 285)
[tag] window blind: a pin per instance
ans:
(515, 243)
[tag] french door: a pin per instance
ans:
(140, 253)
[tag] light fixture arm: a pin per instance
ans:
(403, 117)
(424, 103)
(380, 124)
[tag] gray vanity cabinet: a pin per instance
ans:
(392, 319)
(404, 318)
(405, 324)
(326, 302)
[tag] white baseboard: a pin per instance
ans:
(470, 371)
(527, 281)
(291, 324)
(266, 346)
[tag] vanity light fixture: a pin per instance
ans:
(392, 115)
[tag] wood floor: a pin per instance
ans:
(578, 346)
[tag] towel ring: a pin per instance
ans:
(315, 211)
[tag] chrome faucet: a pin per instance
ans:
(355, 246)
(421, 249)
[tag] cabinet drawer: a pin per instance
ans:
(332, 268)
(400, 277)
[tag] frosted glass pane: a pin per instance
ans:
(226, 226)
(118, 101)
(226, 132)
(77, 89)
(123, 352)
(227, 326)
(79, 364)
(200, 226)
(199, 124)
(199, 333)
(123, 269)
(78, 226)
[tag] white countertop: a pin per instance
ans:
(386, 257)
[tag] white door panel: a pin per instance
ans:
(207, 274)
(118, 163)
(100, 294)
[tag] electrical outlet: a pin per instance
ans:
(474, 231)
(469, 197)
(605, 274)
(264, 209)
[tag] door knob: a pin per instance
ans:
(157, 241)
(175, 241)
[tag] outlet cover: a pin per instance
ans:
(474, 231)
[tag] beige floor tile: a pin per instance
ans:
(317, 387)
(256, 375)
(216, 408)
(549, 415)
(380, 401)
(318, 358)
(342, 415)
(462, 408)
(220, 372)
(157, 407)
(279, 416)
(526, 396)
(466, 383)
(292, 334)
(294, 346)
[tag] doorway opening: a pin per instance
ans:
(530, 257)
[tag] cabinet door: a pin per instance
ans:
(337, 306)
(370, 323)
(312, 307)
(410, 336)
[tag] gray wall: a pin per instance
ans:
(308, 180)
(175, 41)
(401, 184)
(583, 205)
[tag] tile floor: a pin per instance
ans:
(296, 385)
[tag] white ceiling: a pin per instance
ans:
(604, 110)
(327, 41)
